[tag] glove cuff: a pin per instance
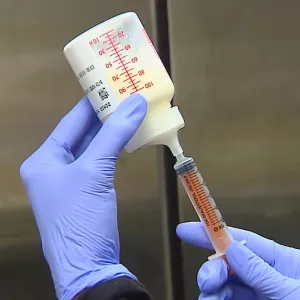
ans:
(118, 288)
(91, 278)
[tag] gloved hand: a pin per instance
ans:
(264, 269)
(69, 181)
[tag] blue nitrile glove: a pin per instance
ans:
(264, 269)
(70, 184)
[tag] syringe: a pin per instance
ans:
(204, 205)
(200, 197)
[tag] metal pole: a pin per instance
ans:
(173, 259)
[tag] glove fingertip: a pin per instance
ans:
(140, 101)
(212, 275)
(239, 258)
(226, 292)
(237, 251)
(181, 230)
(193, 233)
(133, 105)
(208, 297)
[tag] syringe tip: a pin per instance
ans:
(180, 156)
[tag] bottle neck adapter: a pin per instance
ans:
(171, 140)
(159, 128)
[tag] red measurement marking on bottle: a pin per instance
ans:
(122, 61)
(135, 82)
(119, 60)
(111, 47)
(106, 33)
(97, 39)
(126, 72)
(129, 78)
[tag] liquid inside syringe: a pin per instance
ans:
(204, 204)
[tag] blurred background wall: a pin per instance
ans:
(237, 74)
(236, 68)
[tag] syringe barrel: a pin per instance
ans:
(204, 205)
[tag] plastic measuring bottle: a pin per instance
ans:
(116, 59)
